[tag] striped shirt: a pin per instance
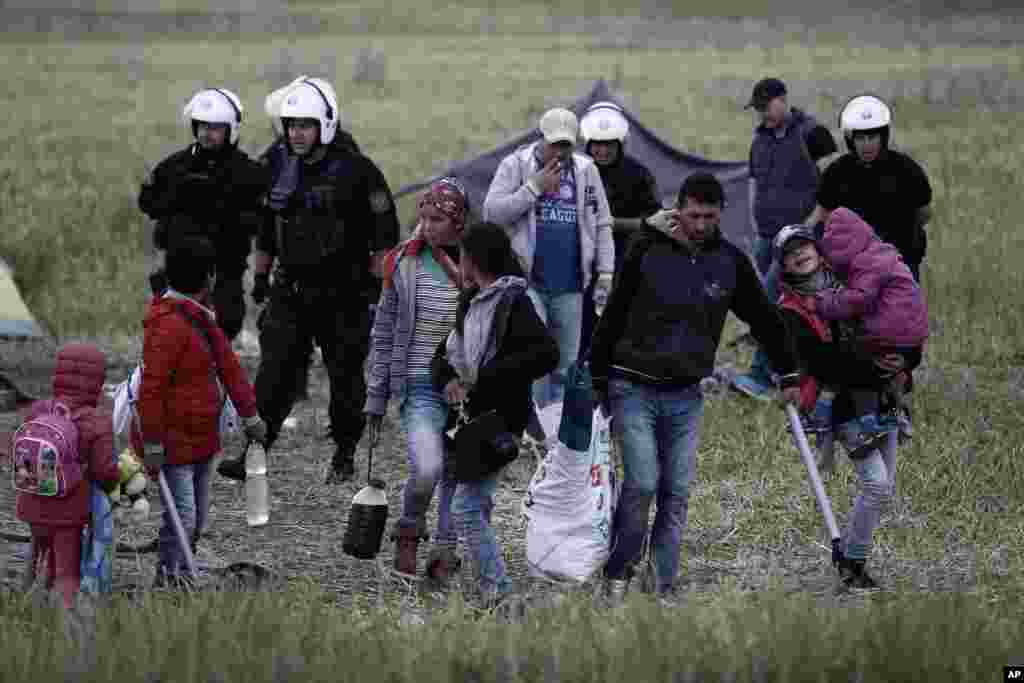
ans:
(437, 297)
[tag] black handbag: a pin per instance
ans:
(478, 447)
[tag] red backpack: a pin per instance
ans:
(46, 458)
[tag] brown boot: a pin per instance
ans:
(442, 565)
(407, 542)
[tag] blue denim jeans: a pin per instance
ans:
(190, 489)
(658, 430)
(563, 315)
(877, 474)
(424, 412)
(474, 502)
(761, 367)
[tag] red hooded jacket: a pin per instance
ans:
(879, 287)
(179, 399)
(77, 383)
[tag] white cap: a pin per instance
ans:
(559, 125)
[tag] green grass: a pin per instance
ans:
(765, 637)
(85, 120)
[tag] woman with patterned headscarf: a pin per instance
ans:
(415, 313)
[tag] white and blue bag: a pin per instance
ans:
(570, 502)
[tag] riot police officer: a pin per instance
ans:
(210, 189)
(329, 214)
(630, 187)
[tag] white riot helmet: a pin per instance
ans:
(604, 121)
(215, 105)
(865, 113)
(311, 98)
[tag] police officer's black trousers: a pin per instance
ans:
(229, 303)
(340, 325)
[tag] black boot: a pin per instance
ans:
(853, 575)
(343, 466)
(232, 468)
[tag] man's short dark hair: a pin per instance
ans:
(190, 263)
(703, 188)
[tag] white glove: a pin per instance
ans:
(664, 221)
(602, 290)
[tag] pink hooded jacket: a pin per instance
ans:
(879, 287)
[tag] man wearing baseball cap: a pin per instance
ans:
(784, 155)
(553, 205)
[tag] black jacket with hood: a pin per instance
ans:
(526, 351)
(665, 316)
(214, 195)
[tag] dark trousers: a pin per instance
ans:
(229, 303)
(589, 322)
(863, 383)
(340, 326)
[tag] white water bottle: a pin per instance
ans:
(257, 493)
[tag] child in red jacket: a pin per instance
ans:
(187, 366)
(57, 523)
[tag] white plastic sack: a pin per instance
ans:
(127, 393)
(569, 505)
(230, 422)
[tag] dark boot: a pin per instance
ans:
(407, 542)
(232, 468)
(343, 466)
(442, 565)
(853, 575)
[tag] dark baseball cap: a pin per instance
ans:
(766, 90)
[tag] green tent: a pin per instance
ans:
(15, 318)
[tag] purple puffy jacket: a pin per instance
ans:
(879, 287)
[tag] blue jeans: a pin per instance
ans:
(190, 490)
(474, 502)
(761, 367)
(877, 474)
(659, 430)
(424, 412)
(563, 316)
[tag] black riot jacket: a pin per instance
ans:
(215, 195)
(632, 193)
(323, 219)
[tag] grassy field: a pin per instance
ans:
(295, 637)
(86, 119)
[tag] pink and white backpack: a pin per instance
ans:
(46, 458)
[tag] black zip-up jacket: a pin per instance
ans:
(665, 316)
(632, 193)
(214, 195)
(526, 351)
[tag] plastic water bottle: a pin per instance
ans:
(257, 493)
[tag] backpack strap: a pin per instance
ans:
(204, 332)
